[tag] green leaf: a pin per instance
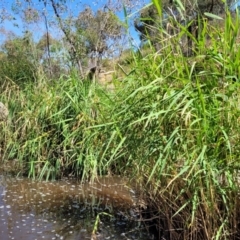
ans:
(179, 3)
(207, 14)
(158, 5)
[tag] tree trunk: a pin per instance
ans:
(73, 52)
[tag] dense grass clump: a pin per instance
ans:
(172, 124)
(49, 131)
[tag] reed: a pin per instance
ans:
(172, 124)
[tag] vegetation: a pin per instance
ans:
(190, 14)
(172, 124)
(17, 60)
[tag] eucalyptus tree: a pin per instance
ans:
(49, 54)
(85, 34)
(97, 34)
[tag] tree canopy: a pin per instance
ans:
(83, 33)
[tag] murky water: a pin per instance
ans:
(68, 210)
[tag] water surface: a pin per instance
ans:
(68, 210)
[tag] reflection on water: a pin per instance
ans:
(66, 210)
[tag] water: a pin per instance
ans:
(68, 210)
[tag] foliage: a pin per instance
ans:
(177, 15)
(92, 36)
(50, 56)
(17, 62)
(22, 59)
(96, 30)
(87, 36)
(97, 35)
(172, 125)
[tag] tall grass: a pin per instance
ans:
(172, 125)
(48, 130)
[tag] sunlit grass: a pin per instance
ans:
(172, 124)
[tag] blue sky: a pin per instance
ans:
(74, 6)
(237, 4)
(18, 27)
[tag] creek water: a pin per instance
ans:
(68, 210)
